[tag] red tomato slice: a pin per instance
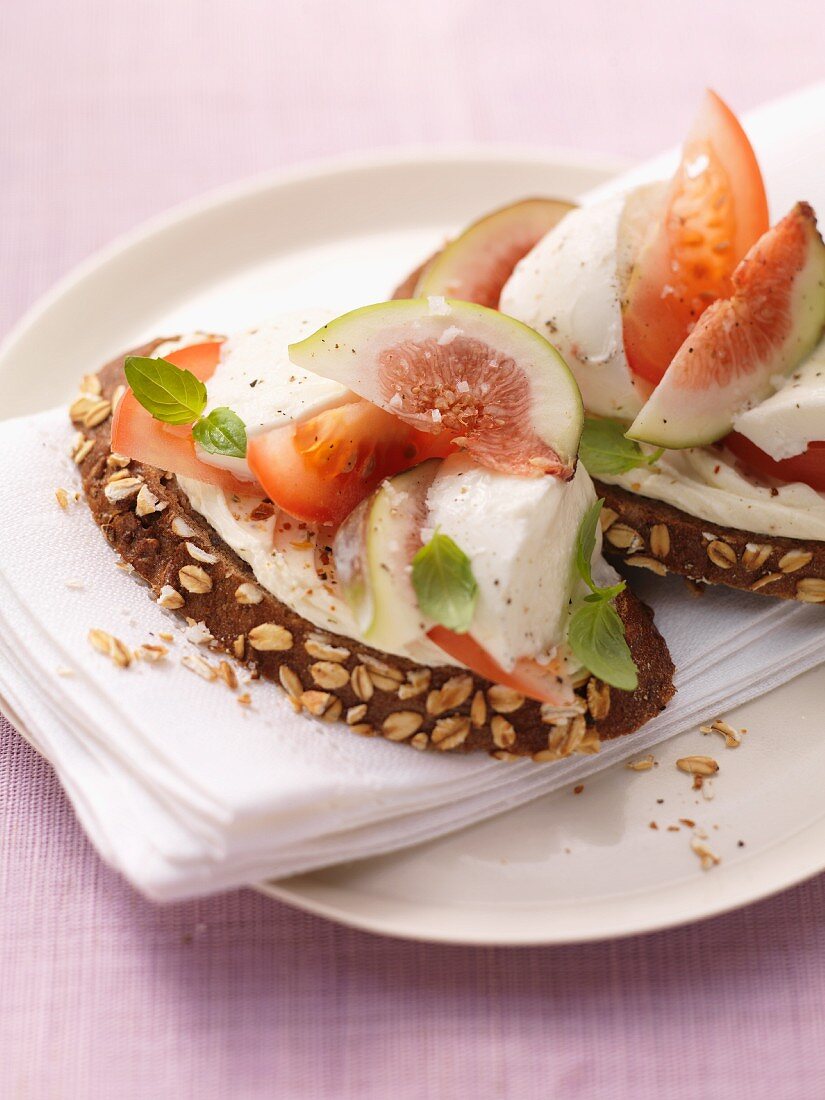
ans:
(715, 210)
(532, 679)
(809, 467)
(168, 447)
(319, 469)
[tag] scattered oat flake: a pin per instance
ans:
(673, 829)
(707, 858)
(653, 825)
(151, 652)
(733, 737)
(75, 584)
(111, 647)
(578, 789)
(687, 821)
(697, 765)
(245, 699)
(62, 498)
(199, 666)
(643, 764)
(707, 790)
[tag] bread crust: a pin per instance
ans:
(654, 535)
(335, 678)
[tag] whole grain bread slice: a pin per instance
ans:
(656, 536)
(329, 676)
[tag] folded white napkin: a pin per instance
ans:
(186, 792)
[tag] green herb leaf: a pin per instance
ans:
(222, 432)
(597, 639)
(604, 449)
(169, 393)
(444, 583)
(596, 633)
(586, 542)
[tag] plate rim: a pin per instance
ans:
(287, 890)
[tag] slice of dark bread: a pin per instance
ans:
(657, 536)
(334, 677)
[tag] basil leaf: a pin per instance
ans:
(222, 432)
(597, 638)
(169, 393)
(586, 542)
(444, 583)
(604, 449)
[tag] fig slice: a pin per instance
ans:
(475, 266)
(772, 322)
(373, 549)
(500, 388)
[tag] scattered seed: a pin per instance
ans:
(721, 554)
(623, 537)
(811, 590)
(755, 555)
(795, 559)
(401, 724)
(200, 555)
(697, 765)
(322, 650)
(270, 638)
(643, 764)
(110, 647)
(151, 652)
(62, 498)
(122, 488)
(194, 579)
(199, 666)
(329, 675)
(170, 598)
(659, 540)
(148, 503)
(733, 738)
(645, 562)
(503, 699)
(227, 673)
(707, 858)
(181, 528)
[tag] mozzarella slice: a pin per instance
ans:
(568, 288)
(784, 424)
(519, 534)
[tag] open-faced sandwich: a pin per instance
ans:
(694, 329)
(384, 513)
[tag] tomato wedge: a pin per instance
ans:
(532, 679)
(138, 435)
(808, 467)
(319, 469)
(714, 211)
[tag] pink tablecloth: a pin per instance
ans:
(110, 112)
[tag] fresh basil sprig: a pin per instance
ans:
(222, 432)
(169, 393)
(444, 583)
(174, 395)
(596, 633)
(605, 449)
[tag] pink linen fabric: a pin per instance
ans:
(112, 112)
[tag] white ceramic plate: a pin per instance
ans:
(564, 868)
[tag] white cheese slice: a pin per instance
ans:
(257, 381)
(568, 289)
(709, 483)
(519, 534)
(784, 424)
